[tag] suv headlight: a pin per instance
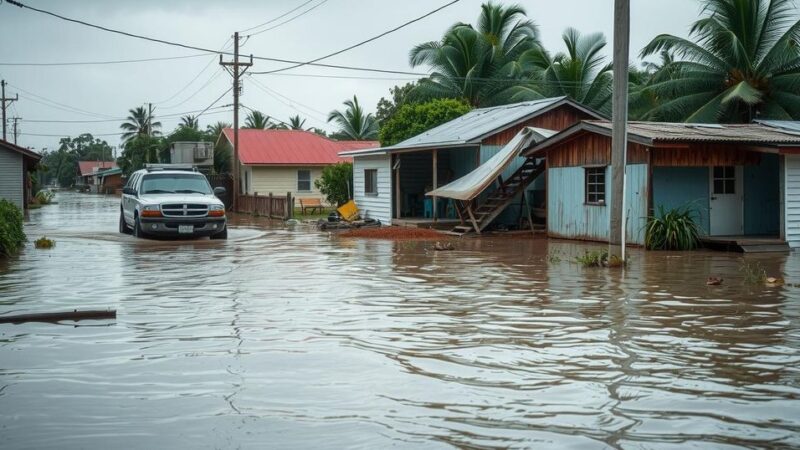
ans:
(151, 211)
(216, 210)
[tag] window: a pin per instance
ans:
(725, 180)
(596, 185)
(303, 181)
(175, 183)
(371, 181)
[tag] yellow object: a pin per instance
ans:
(348, 211)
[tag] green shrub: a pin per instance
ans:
(597, 258)
(412, 119)
(44, 243)
(753, 272)
(674, 229)
(44, 197)
(336, 183)
(11, 235)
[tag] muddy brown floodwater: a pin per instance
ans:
(291, 338)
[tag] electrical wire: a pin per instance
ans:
(374, 38)
(214, 76)
(91, 63)
(186, 86)
(277, 18)
(202, 49)
(277, 96)
(165, 116)
(289, 19)
(59, 105)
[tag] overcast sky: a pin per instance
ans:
(97, 92)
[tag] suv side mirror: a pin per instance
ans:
(219, 190)
(129, 191)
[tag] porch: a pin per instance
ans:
(746, 244)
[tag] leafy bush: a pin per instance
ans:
(11, 235)
(412, 119)
(597, 258)
(44, 243)
(675, 229)
(44, 197)
(336, 182)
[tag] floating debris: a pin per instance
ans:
(44, 243)
(714, 281)
(439, 247)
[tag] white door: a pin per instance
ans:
(726, 201)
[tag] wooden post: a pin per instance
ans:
(289, 205)
(270, 211)
(619, 118)
(528, 208)
(435, 184)
(398, 194)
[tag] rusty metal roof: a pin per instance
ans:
(476, 125)
(786, 125)
(651, 133)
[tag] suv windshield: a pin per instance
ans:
(173, 183)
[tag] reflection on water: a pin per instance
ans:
(293, 338)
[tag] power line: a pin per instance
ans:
(90, 63)
(61, 106)
(165, 116)
(289, 19)
(214, 76)
(277, 18)
(202, 49)
(403, 25)
(277, 96)
(186, 86)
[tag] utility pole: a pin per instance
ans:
(619, 119)
(16, 120)
(5, 102)
(236, 74)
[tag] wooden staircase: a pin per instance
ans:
(476, 217)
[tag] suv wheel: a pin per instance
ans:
(137, 228)
(222, 234)
(123, 227)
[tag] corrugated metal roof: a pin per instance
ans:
(291, 147)
(474, 126)
(22, 150)
(650, 133)
(786, 125)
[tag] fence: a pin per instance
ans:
(272, 206)
(223, 180)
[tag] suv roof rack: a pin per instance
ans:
(154, 167)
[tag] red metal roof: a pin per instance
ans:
(292, 147)
(88, 167)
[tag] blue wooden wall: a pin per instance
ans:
(675, 187)
(762, 204)
(569, 217)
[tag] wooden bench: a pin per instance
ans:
(313, 204)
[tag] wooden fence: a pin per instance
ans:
(272, 206)
(223, 180)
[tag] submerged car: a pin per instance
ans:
(165, 201)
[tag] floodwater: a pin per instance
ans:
(291, 338)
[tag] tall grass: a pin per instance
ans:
(674, 229)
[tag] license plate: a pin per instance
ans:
(185, 229)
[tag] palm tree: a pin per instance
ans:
(257, 120)
(476, 64)
(139, 123)
(189, 121)
(354, 123)
(743, 63)
(581, 73)
(215, 130)
(295, 123)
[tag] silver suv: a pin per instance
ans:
(168, 202)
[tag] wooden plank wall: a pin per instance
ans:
(591, 149)
(557, 119)
(704, 155)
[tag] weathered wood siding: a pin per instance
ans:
(12, 179)
(557, 119)
(374, 206)
(279, 180)
(704, 155)
(591, 150)
(791, 182)
(568, 216)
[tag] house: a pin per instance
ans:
(16, 163)
(390, 183)
(281, 161)
(743, 180)
(109, 181)
(87, 171)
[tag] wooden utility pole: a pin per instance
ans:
(619, 119)
(16, 120)
(4, 101)
(236, 74)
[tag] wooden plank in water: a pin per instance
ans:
(59, 316)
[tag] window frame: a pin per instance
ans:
(590, 175)
(374, 192)
(310, 179)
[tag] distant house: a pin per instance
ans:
(743, 180)
(15, 164)
(391, 182)
(281, 161)
(109, 181)
(87, 171)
